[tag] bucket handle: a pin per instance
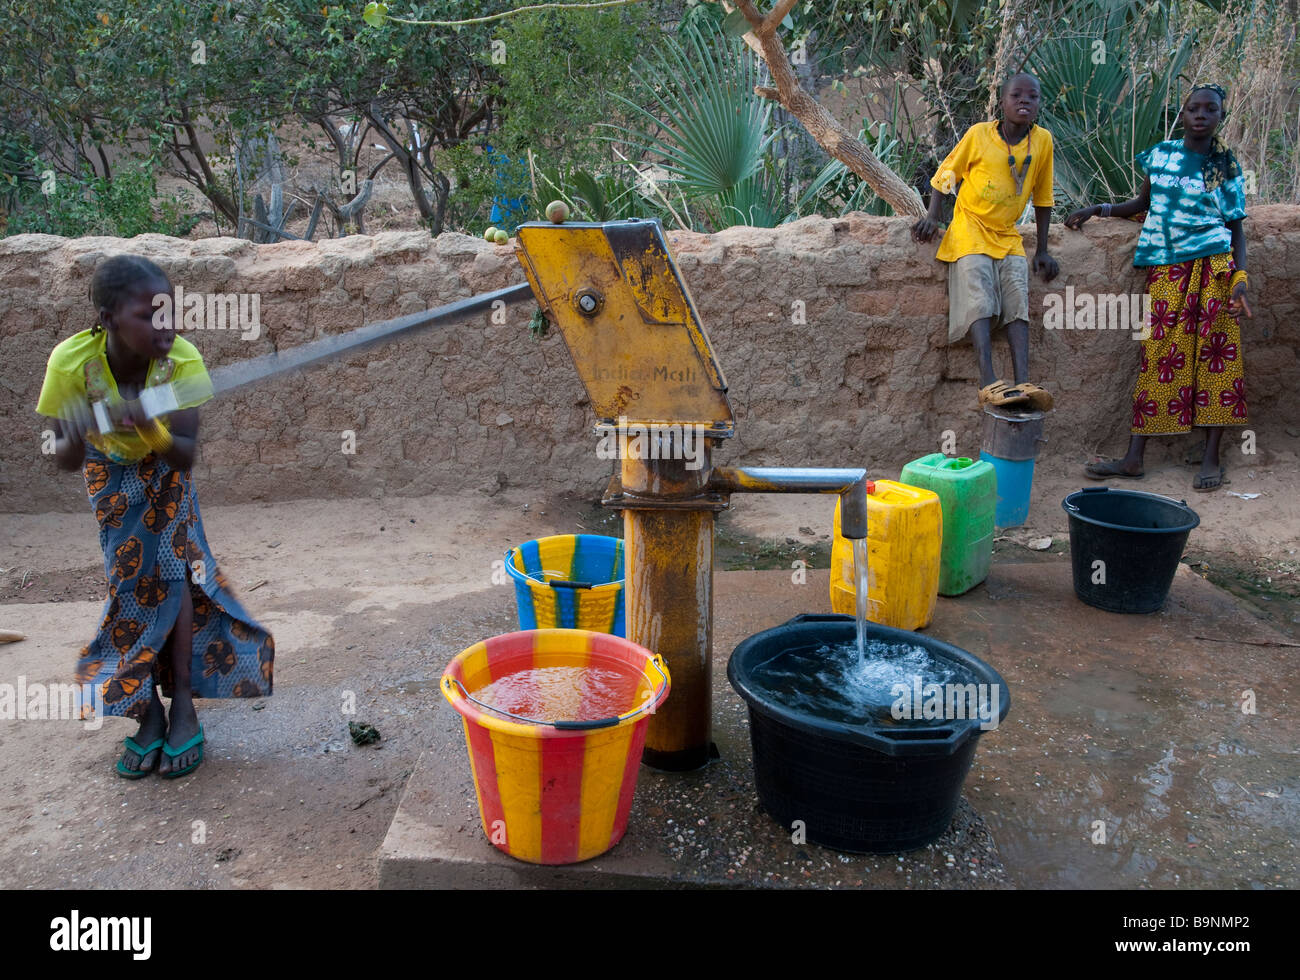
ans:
(818, 618)
(646, 707)
(1074, 508)
(930, 739)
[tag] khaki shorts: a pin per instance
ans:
(981, 286)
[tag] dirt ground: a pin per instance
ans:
(352, 590)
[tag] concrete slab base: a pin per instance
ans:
(1109, 720)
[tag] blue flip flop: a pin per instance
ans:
(174, 753)
(133, 746)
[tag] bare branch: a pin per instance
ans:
(820, 124)
(380, 166)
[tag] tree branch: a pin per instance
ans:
(414, 176)
(820, 124)
(208, 185)
(777, 15)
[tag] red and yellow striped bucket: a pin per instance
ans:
(555, 791)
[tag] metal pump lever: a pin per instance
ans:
(162, 399)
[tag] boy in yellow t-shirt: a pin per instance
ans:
(994, 171)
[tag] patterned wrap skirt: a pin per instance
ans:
(1191, 370)
(153, 543)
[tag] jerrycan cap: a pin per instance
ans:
(871, 486)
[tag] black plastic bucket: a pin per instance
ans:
(1136, 537)
(866, 787)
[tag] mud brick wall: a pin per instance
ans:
(868, 379)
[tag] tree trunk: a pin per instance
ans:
(204, 179)
(408, 161)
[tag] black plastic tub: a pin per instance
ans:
(1125, 546)
(864, 787)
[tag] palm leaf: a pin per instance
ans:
(1101, 113)
(706, 125)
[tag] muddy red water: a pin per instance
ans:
(562, 693)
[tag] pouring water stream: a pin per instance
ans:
(860, 573)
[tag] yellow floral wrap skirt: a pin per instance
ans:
(1191, 371)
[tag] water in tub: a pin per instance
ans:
(835, 684)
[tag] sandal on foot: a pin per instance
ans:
(1000, 393)
(175, 753)
(1206, 484)
(1040, 399)
(1104, 471)
(142, 752)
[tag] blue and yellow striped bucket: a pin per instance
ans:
(569, 581)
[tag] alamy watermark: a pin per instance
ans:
(209, 311)
(654, 440)
(946, 702)
(104, 933)
(52, 702)
(1098, 311)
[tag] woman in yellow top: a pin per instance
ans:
(994, 171)
(169, 619)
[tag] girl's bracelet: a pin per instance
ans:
(1105, 210)
(155, 435)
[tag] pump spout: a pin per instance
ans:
(850, 484)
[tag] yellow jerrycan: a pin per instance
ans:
(904, 542)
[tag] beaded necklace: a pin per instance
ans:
(1019, 176)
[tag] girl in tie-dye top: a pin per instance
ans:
(1191, 370)
(1188, 215)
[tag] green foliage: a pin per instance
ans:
(142, 74)
(122, 207)
(609, 198)
(562, 72)
(1104, 102)
(844, 35)
(469, 203)
(759, 200)
(16, 175)
(135, 75)
(420, 90)
(708, 129)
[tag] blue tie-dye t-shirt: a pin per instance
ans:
(1185, 221)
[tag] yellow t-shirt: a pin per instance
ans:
(65, 380)
(988, 207)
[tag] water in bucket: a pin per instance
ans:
(565, 693)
